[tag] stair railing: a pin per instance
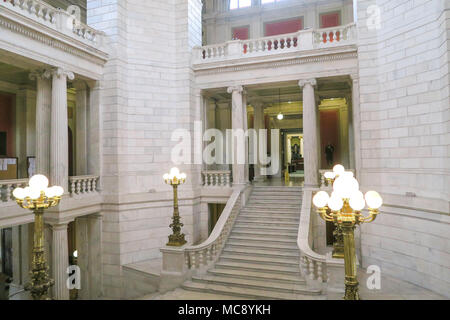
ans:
(200, 257)
(312, 265)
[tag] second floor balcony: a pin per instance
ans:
(281, 46)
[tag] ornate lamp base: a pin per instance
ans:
(176, 240)
(351, 289)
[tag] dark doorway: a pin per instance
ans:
(3, 143)
(70, 136)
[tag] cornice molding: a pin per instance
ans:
(52, 42)
(276, 64)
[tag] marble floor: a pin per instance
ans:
(391, 289)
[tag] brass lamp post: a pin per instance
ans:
(38, 197)
(338, 243)
(175, 178)
(344, 208)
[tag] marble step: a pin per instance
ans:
(271, 246)
(287, 197)
(269, 234)
(251, 226)
(268, 222)
(277, 188)
(245, 292)
(269, 285)
(272, 231)
(271, 208)
(277, 253)
(274, 205)
(251, 216)
(248, 266)
(240, 274)
(289, 261)
(262, 239)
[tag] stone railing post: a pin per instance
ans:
(174, 268)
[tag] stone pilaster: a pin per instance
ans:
(60, 261)
(310, 135)
(356, 124)
(43, 118)
(94, 129)
(237, 123)
(81, 128)
(245, 127)
(258, 124)
(59, 153)
(94, 227)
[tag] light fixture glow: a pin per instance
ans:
(335, 203)
(320, 200)
(338, 169)
(373, 199)
(38, 182)
(280, 116)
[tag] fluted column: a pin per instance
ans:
(60, 261)
(59, 145)
(237, 123)
(43, 115)
(310, 136)
(258, 124)
(81, 128)
(245, 127)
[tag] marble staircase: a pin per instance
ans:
(260, 259)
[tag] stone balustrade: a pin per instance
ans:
(335, 35)
(83, 185)
(77, 186)
(7, 187)
(55, 18)
(217, 178)
(303, 40)
(201, 256)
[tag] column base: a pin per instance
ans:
(174, 269)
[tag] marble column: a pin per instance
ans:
(237, 123)
(258, 124)
(43, 115)
(82, 243)
(94, 129)
(356, 125)
(245, 127)
(81, 128)
(310, 136)
(59, 146)
(60, 261)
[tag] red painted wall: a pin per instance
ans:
(329, 20)
(282, 27)
(7, 121)
(329, 133)
(240, 33)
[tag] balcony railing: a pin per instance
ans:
(55, 18)
(217, 178)
(293, 42)
(81, 185)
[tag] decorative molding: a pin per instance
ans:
(52, 42)
(239, 89)
(304, 82)
(276, 64)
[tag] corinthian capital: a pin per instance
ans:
(312, 82)
(60, 72)
(239, 89)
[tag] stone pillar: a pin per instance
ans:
(82, 242)
(81, 128)
(43, 115)
(258, 124)
(310, 136)
(174, 270)
(94, 129)
(356, 125)
(60, 261)
(237, 123)
(59, 146)
(245, 127)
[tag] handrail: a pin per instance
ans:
(312, 264)
(206, 252)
